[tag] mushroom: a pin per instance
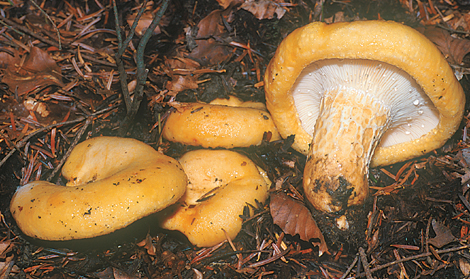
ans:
(233, 124)
(236, 102)
(221, 184)
(112, 183)
(359, 94)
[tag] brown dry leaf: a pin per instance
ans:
(145, 20)
(443, 235)
(294, 218)
(464, 266)
(227, 3)
(148, 244)
(38, 71)
(113, 273)
(212, 39)
(180, 83)
(454, 49)
(5, 247)
(5, 267)
(264, 9)
(8, 56)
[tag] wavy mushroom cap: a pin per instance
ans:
(233, 101)
(225, 124)
(359, 93)
(221, 184)
(112, 183)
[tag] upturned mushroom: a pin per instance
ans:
(359, 94)
(221, 184)
(225, 124)
(112, 183)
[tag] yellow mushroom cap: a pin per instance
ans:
(383, 41)
(233, 101)
(221, 184)
(358, 94)
(209, 125)
(114, 182)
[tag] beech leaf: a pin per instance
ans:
(212, 39)
(293, 217)
(38, 71)
(264, 9)
(454, 49)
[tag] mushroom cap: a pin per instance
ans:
(221, 184)
(391, 44)
(214, 126)
(233, 101)
(114, 182)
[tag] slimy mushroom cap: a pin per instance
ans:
(221, 184)
(226, 126)
(114, 182)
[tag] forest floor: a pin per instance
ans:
(66, 77)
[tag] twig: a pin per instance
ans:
(365, 263)
(77, 138)
(15, 27)
(415, 257)
(52, 22)
(270, 260)
(350, 268)
(141, 71)
(23, 142)
(122, 46)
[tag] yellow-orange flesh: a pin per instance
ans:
(347, 130)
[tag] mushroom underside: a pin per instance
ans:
(350, 107)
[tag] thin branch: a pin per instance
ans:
(122, 46)
(23, 142)
(77, 138)
(15, 27)
(415, 257)
(52, 22)
(141, 70)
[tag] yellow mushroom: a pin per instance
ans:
(226, 124)
(221, 184)
(358, 94)
(112, 183)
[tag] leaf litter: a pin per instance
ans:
(61, 84)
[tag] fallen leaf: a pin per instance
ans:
(5, 247)
(464, 266)
(148, 244)
(454, 49)
(113, 273)
(443, 235)
(212, 39)
(145, 21)
(227, 3)
(8, 56)
(181, 83)
(38, 71)
(264, 9)
(293, 217)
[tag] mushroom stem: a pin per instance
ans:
(347, 132)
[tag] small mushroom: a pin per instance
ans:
(358, 94)
(221, 184)
(112, 183)
(233, 124)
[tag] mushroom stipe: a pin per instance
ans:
(112, 183)
(359, 94)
